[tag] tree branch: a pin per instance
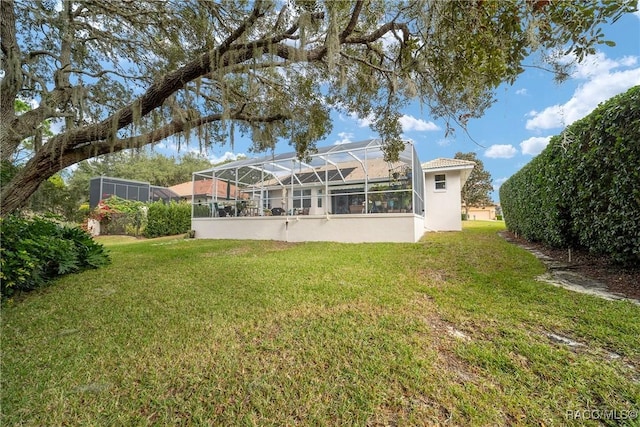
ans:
(377, 34)
(352, 23)
(35, 53)
(42, 166)
(177, 126)
(102, 73)
(385, 71)
(262, 43)
(255, 14)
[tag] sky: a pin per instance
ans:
(521, 122)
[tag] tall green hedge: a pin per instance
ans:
(583, 190)
(168, 219)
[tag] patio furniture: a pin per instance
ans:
(356, 209)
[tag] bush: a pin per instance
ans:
(120, 216)
(36, 251)
(582, 190)
(168, 219)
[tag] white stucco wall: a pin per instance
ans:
(304, 228)
(442, 207)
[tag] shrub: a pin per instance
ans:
(168, 219)
(35, 251)
(120, 216)
(582, 190)
(202, 211)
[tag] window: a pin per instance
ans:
(320, 197)
(301, 198)
(441, 182)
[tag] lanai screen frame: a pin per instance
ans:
(252, 174)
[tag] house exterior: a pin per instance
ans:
(477, 213)
(345, 193)
(444, 179)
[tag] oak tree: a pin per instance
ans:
(116, 74)
(476, 190)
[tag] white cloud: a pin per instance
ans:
(522, 92)
(345, 138)
(363, 122)
(225, 157)
(410, 123)
(444, 142)
(501, 151)
(603, 81)
(498, 182)
(534, 145)
(598, 64)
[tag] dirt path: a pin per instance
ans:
(609, 282)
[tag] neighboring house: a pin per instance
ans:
(444, 179)
(487, 213)
(103, 187)
(344, 192)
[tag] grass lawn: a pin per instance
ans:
(454, 329)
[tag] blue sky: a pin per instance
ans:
(519, 125)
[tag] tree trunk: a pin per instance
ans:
(16, 194)
(12, 79)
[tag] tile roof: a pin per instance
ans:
(448, 164)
